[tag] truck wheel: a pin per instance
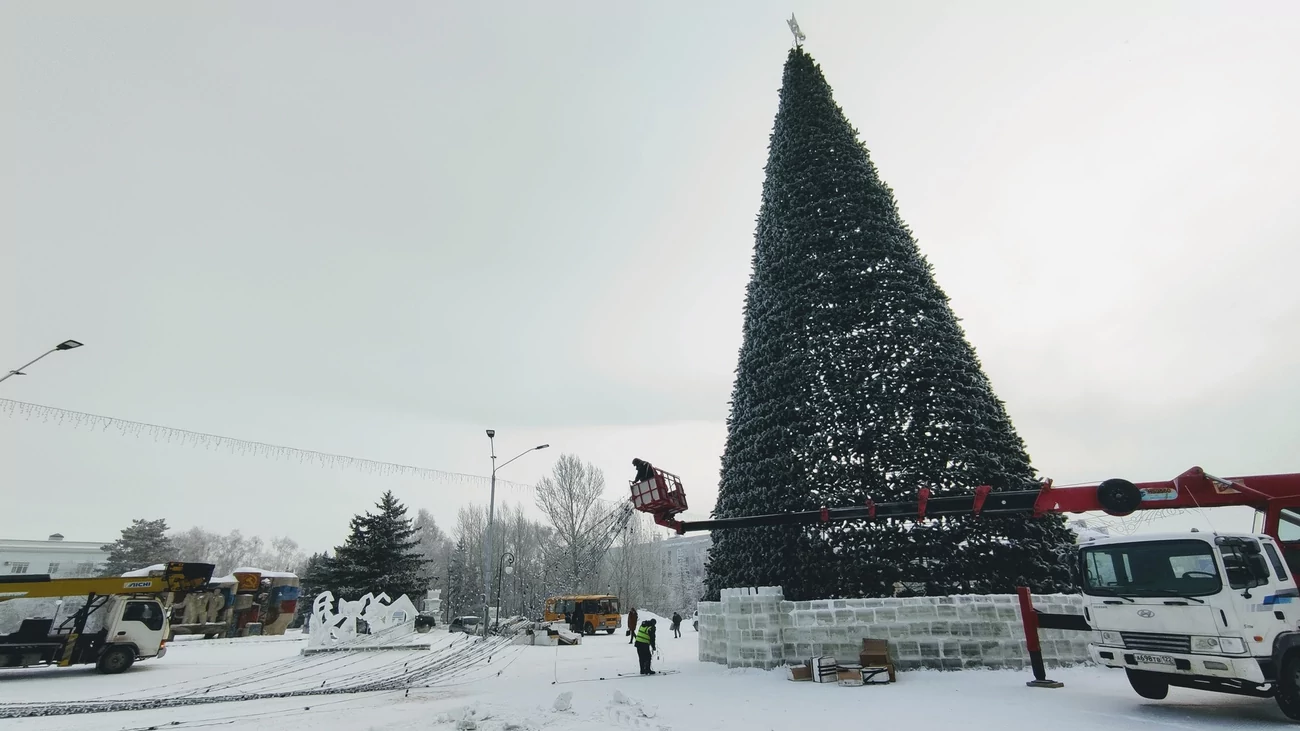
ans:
(1148, 685)
(115, 660)
(609, 630)
(589, 630)
(1288, 687)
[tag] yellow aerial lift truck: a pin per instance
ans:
(133, 611)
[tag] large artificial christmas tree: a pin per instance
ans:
(855, 380)
(381, 554)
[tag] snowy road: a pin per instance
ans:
(517, 690)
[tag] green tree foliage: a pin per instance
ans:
(855, 380)
(315, 578)
(144, 543)
(381, 554)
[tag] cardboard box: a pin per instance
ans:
(800, 672)
(875, 661)
(850, 677)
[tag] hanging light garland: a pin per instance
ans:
(241, 447)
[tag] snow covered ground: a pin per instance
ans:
(518, 688)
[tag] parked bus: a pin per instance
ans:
(599, 611)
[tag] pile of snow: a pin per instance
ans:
(468, 718)
(624, 710)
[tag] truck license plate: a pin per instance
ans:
(1154, 659)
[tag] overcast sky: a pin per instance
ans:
(378, 229)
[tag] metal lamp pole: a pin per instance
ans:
(503, 567)
(487, 535)
(65, 345)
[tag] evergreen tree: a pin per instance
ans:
(143, 544)
(381, 554)
(315, 577)
(855, 380)
(457, 581)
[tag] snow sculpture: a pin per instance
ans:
(216, 603)
(369, 622)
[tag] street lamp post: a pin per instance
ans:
(487, 535)
(505, 566)
(65, 345)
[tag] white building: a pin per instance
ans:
(54, 556)
(681, 568)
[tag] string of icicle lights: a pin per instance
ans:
(242, 447)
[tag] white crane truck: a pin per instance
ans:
(1217, 612)
(131, 613)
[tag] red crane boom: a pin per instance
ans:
(1276, 496)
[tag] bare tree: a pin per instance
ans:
(525, 589)
(571, 499)
(436, 548)
(632, 567)
(465, 588)
(234, 550)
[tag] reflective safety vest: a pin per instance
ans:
(643, 634)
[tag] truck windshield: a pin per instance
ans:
(1151, 568)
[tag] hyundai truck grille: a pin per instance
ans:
(1155, 642)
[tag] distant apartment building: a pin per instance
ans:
(681, 568)
(683, 556)
(54, 556)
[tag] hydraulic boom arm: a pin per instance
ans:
(176, 577)
(660, 494)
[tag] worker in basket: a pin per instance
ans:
(644, 471)
(645, 643)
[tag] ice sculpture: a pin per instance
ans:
(367, 623)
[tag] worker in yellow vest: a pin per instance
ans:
(645, 643)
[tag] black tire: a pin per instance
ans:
(1288, 686)
(609, 630)
(1148, 685)
(115, 660)
(589, 630)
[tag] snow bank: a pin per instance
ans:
(560, 690)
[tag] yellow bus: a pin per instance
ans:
(599, 611)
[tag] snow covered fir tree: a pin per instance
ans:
(381, 554)
(855, 380)
(143, 544)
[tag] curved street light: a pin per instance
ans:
(487, 534)
(505, 566)
(65, 345)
